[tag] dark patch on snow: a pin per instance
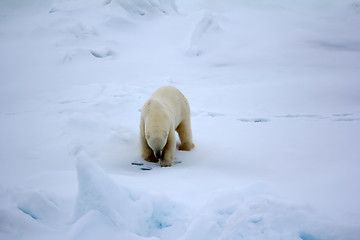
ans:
(223, 65)
(160, 225)
(351, 46)
(27, 212)
(213, 114)
(146, 168)
(137, 164)
(256, 220)
(343, 114)
(141, 165)
(254, 120)
(53, 10)
(299, 116)
(347, 119)
(102, 54)
(307, 236)
(70, 101)
(356, 7)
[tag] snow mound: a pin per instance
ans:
(146, 7)
(101, 202)
(84, 37)
(130, 7)
(204, 34)
(233, 213)
(28, 212)
(230, 214)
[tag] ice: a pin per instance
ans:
(274, 94)
(29, 213)
(99, 193)
(128, 210)
(234, 215)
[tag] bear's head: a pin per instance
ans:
(156, 134)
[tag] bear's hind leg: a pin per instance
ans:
(185, 135)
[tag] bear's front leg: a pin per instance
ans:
(169, 150)
(149, 156)
(146, 152)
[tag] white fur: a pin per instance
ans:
(165, 112)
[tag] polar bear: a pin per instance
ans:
(165, 112)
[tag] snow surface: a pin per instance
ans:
(273, 87)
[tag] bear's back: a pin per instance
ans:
(174, 100)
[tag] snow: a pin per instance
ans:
(273, 88)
